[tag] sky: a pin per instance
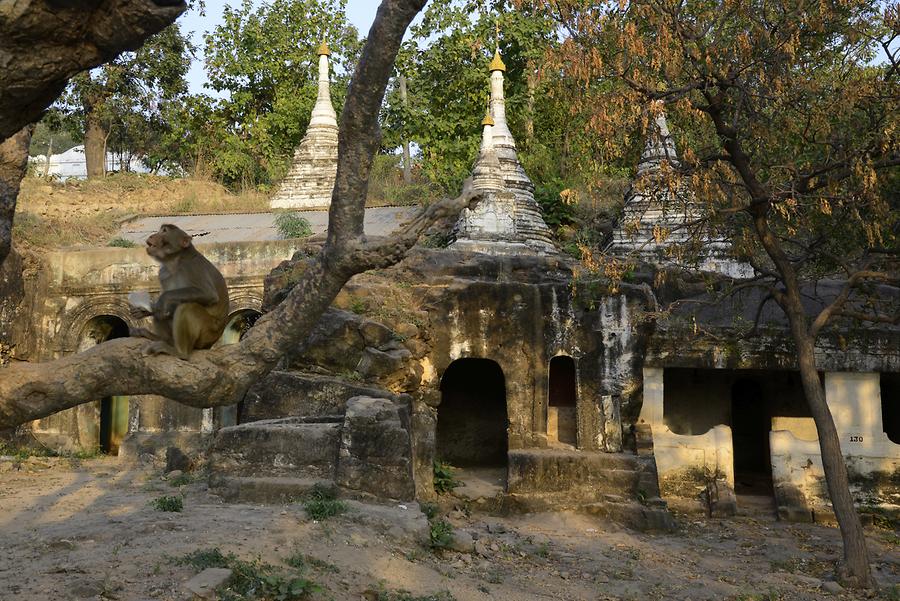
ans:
(361, 13)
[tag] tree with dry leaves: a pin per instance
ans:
(788, 121)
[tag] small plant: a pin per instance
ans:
(121, 243)
(358, 305)
(443, 478)
(168, 503)
(430, 510)
(402, 595)
(543, 550)
(181, 480)
(321, 503)
(251, 579)
(292, 225)
(440, 534)
(300, 561)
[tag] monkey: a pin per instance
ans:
(191, 311)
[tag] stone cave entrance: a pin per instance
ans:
(695, 400)
(239, 323)
(113, 410)
(472, 423)
(561, 402)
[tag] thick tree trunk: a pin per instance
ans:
(855, 570)
(94, 146)
(221, 376)
(531, 82)
(13, 164)
(407, 159)
(48, 42)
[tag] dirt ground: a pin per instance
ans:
(87, 530)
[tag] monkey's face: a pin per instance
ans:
(167, 242)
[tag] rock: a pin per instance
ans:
(461, 541)
(205, 583)
(375, 334)
(378, 364)
(86, 589)
(174, 474)
(482, 549)
(62, 544)
(375, 454)
(832, 587)
(176, 459)
(808, 581)
(407, 330)
(496, 528)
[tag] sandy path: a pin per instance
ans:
(89, 532)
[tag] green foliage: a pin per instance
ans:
(292, 225)
(322, 503)
(555, 209)
(121, 243)
(168, 503)
(181, 480)
(440, 534)
(386, 185)
(26, 452)
(301, 561)
(251, 579)
(443, 477)
(430, 510)
(129, 100)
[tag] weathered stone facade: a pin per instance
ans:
(310, 181)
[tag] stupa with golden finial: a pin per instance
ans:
(310, 181)
(507, 220)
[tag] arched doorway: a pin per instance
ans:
(239, 323)
(102, 425)
(561, 401)
(471, 420)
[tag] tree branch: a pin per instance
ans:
(221, 376)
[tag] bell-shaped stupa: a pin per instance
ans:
(310, 181)
(662, 222)
(507, 219)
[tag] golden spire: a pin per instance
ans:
(323, 49)
(488, 120)
(497, 63)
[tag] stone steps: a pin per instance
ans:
(264, 489)
(581, 475)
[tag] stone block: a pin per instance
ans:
(290, 446)
(205, 584)
(285, 394)
(375, 450)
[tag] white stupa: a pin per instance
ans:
(310, 181)
(507, 220)
(662, 221)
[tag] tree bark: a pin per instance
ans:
(221, 376)
(13, 164)
(855, 570)
(94, 146)
(407, 159)
(48, 42)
